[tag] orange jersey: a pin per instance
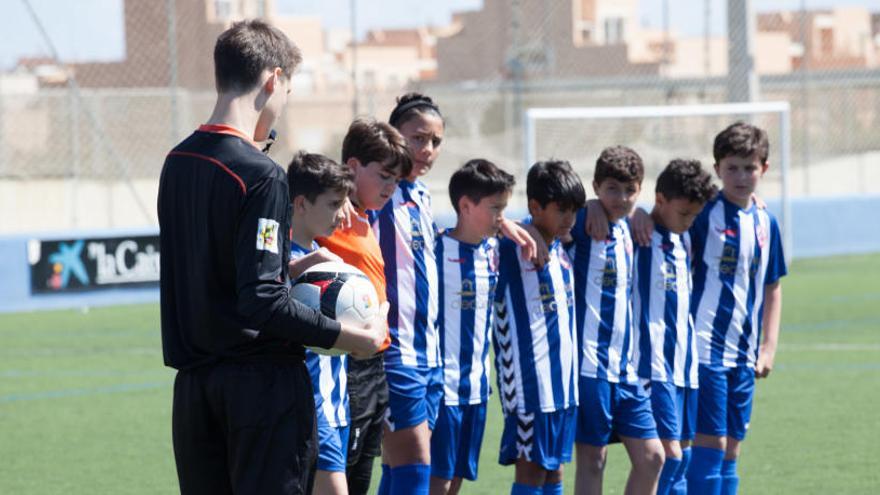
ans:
(359, 247)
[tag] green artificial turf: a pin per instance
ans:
(85, 401)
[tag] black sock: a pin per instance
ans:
(359, 476)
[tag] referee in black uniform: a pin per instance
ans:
(243, 416)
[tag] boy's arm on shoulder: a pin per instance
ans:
(770, 326)
(641, 226)
(523, 238)
(349, 213)
(596, 224)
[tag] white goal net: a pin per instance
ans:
(660, 134)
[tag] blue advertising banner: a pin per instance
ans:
(93, 263)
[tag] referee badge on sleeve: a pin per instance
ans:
(267, 235)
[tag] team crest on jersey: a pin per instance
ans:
(468, 288)
(267, 235)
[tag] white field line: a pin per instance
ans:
(829, 346)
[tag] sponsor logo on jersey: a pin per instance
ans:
(608, 278)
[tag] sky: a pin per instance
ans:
(92, 30)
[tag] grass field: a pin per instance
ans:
(85, 402)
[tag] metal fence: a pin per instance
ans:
(81, 145)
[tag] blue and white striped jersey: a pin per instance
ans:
(602, 293)
(406, 233)
(468, 276)
(736, 253)
(328, 373)
(536, 348)
(665, 347)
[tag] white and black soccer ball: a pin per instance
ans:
(341, 292)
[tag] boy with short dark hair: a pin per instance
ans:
(665, 346)
(377, 156)
(229, 325)
(611, 398)
(535, 340)
(737, 264)
(318, 191)
(467, 266)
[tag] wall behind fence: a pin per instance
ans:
(92, 159)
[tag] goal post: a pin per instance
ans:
(580, 132)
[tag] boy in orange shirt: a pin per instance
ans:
(377, 155)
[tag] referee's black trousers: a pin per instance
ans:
(245, 428)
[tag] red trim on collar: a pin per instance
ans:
(229, 130)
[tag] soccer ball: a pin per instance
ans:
(341, 292)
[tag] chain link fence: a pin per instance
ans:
(82, 144)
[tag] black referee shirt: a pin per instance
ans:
(224, 218)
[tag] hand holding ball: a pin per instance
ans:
(341, 292)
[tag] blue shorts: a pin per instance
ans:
(675, 410)
(413, 396)
(605, 408)
(456, 441)
(332, 447)
(724, 407)
(543, 438)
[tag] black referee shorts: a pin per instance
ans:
(367, 401)
(245, 428)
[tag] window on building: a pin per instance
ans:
(223, 9)
(614, 30)
(583, 33)
(826, 42)
(586, 34)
